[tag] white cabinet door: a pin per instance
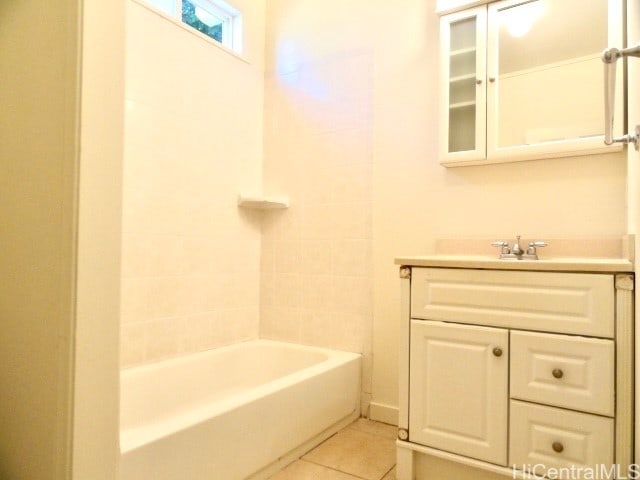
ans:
(458, 389)
(463, 37)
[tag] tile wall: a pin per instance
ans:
(316, 269)
(191, 258)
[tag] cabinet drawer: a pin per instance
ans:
(570, 372)
(573, 303)
(558, 438)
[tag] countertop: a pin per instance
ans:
(560, 264)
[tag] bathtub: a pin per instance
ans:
(228, 413)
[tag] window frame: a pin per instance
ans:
(232, 31)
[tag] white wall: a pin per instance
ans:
(61, 118)
(193, 141)
(99, 217)
(415, 200)
(39, 44)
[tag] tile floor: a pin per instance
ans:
(364, 450)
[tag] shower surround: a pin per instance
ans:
(193, 140)
(198, 272)
(316, 285)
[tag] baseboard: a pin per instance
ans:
(383, 413)
(298, 452)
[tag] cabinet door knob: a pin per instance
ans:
(479, 81)
(497, 352)
(557, 447)
(492, 79)
(557, 373)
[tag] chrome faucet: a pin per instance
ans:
(516, 252)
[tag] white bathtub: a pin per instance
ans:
(228, 413)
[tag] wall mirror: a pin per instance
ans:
(550, 79)
(547, 75)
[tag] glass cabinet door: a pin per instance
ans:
(463, 89)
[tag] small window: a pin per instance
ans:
(213, 18)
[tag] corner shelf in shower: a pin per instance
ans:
(259, 202)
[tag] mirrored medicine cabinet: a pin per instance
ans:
(523, 80)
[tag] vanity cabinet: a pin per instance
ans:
(522, 80)
(524, 368)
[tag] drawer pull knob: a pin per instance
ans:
(557, 373)
(497, 352)
(557, 447)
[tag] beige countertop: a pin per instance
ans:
(559, 264)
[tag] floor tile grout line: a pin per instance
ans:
(318, 446)
(334, 469)
(388, 472)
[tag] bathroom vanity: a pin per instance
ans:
(519, 363)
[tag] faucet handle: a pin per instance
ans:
(538, 243)
(535, 245)
(503, 246)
